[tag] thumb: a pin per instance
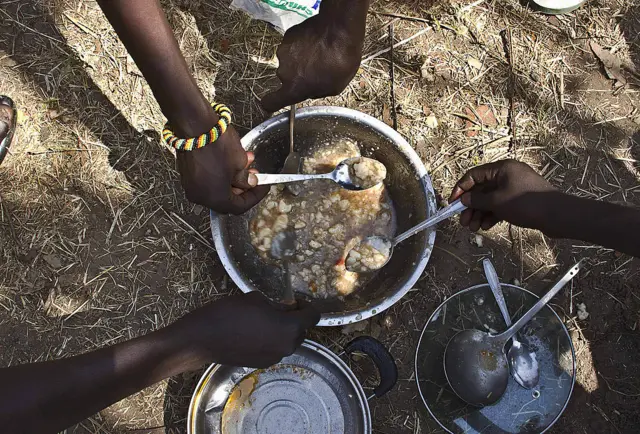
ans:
(307, 315)
(244, 179)
(280, 98)
(479, 200)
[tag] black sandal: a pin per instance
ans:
(7, 124)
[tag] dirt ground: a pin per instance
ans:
(98, 244)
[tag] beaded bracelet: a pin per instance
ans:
(204, 139)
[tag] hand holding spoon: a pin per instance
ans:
(373, 253)
(474, 362)
(522, 360)
(357, 173)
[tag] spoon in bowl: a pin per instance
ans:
(283, 247)
(522, 360)
(293, 161)
(474, 361)
(357, 173)
(373, 253)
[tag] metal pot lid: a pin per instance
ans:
(519, 410)
(311, 391)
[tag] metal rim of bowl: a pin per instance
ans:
(564, 328)
(337, 318)
(329, 355)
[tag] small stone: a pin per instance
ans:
(53, 260)
(432, 121)
(427, 73)
(376, 330)
(582, 311)
(355, 327)
(388, 321)
(478, 240)
(197, 210)
(474, 63)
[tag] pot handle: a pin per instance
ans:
(381, 357)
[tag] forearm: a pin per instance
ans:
(51, 396)
(607, 224)
(143, 28)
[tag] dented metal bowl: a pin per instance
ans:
(407, 182)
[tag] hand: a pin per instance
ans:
(320, 56)
(217, 176)
(504, 190)
(244, 330)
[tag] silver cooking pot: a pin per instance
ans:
(311, 391)
(407, 182)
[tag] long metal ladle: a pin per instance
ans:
(522, 360)
(341, 175)
(386, 245)
(474, 361)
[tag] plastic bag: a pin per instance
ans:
(283, 14)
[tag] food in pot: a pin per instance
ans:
(367, 173)
(370, 255)
(328, 220)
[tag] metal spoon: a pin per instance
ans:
(283, 247)
(293, 160)
(474, 362)
(384, 246)
(343, 175)
(522, 360)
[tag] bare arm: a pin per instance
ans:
(145, 32)
(512, 191)
(51, 396)
(217, 175)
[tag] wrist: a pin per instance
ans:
(345, 11)
(192, 123)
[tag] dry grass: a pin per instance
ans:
(98, 244)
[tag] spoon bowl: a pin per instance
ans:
(479, 366)
(373, 253)
(522, 360)
(475, 363)
(358, 173)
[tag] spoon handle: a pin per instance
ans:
(282, 178)
(515, 328)
(288, 297)
(494, 283)
(292, 118)
(448, 211)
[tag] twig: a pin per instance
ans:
(4, 208)
(460, 152)
(198, 235)
(452, 254)
(394, 114)
(506, 36)
(399, 44)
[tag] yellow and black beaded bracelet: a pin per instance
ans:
(204, 139)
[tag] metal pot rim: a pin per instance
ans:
(564, 328)
(341, 318)
(330, 357)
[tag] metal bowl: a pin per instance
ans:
(311, 391)
(407, 182)
(519, 411)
